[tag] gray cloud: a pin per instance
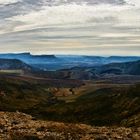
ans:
(89, 2)
(70, 26)
(24, 6)
(19, 8)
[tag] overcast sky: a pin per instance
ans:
(89, 27)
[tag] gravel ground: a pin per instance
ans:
(20, 126)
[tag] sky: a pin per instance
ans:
(77, 27)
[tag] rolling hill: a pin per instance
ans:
(111, 106)
(13, 64)
(131, 68)
(103, 107)
(89, 73)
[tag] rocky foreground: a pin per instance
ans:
(19, 126)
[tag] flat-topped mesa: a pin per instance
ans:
(25, 55)
(43, 56)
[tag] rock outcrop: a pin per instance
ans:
(20, 126)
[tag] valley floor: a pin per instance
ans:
(20, 126)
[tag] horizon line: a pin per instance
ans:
(68, 54)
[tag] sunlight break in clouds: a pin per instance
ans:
(8, 1)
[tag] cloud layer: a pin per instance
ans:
(94, 27)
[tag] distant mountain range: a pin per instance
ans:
(112, 59)
(56, 62)
(70, 67)
(88, 73)
(28, 58)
